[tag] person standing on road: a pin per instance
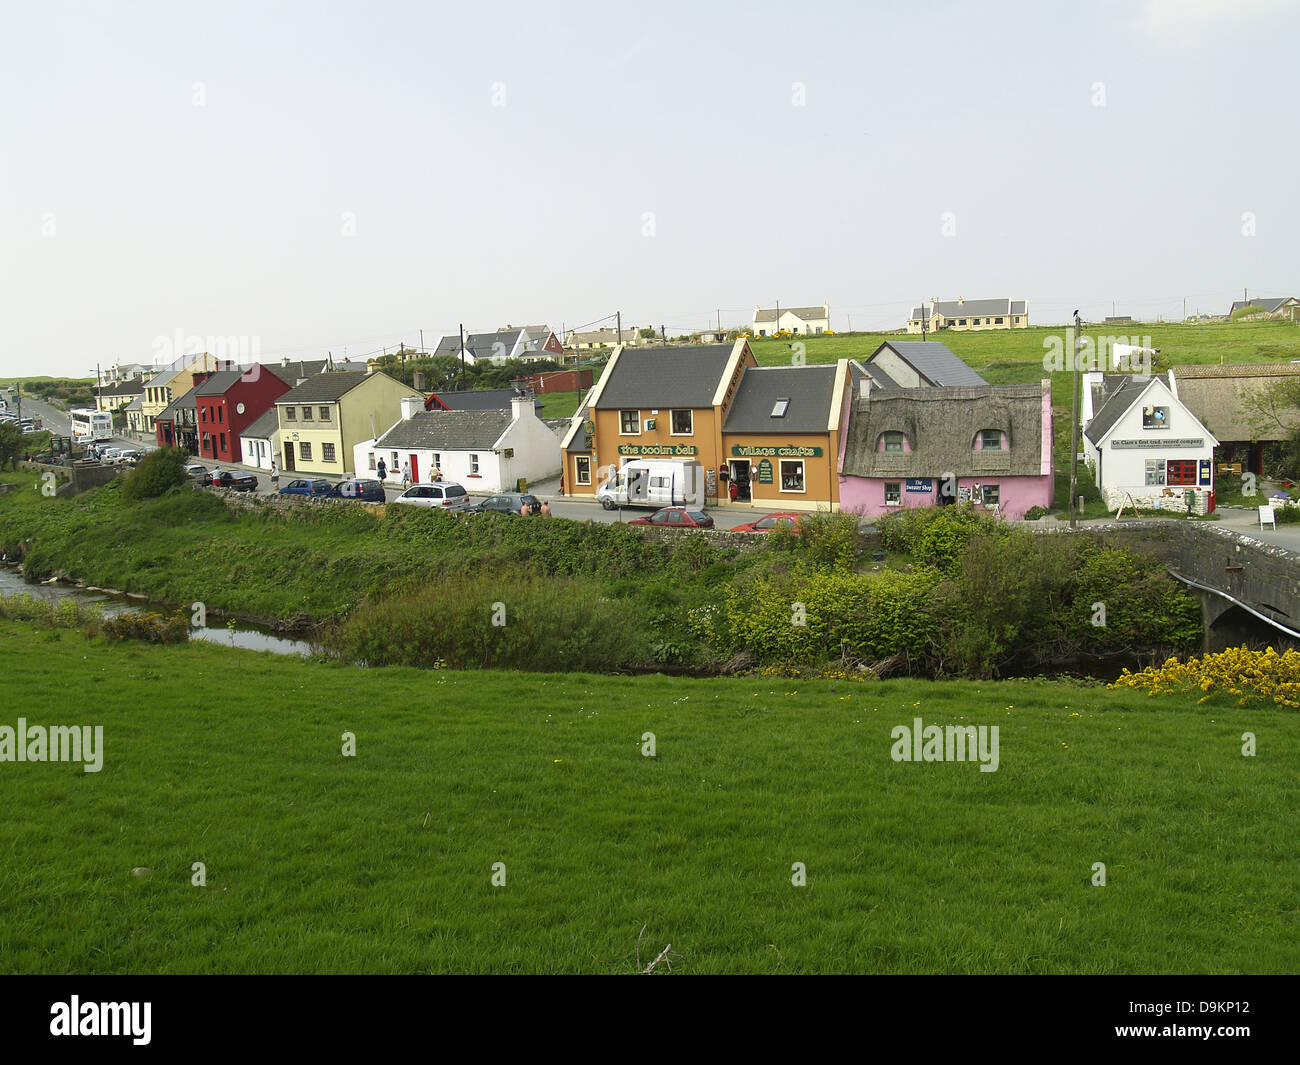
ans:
(546, 509)
(406, 475)
(382, 471)
(275, 476)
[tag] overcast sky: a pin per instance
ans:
(335, 176)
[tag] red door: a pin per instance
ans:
(415, 469)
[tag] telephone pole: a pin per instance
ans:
(620, 325)
(1074, 422)
(462, 356)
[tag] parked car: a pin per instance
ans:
(108, 455)
(129, 456)
(443, 494)
(362, 488)
(784, 518)
(307, 486)
(196, 472)
(506, 503)
(236, 479)
(677, 518)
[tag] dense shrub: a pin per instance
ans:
(158, 472)
(935, 536)
(150, 627)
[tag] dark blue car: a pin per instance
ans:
(364, 489)
(307, 486)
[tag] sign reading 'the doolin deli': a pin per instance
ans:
(659, 450)
(746, 451)
(1167, 442)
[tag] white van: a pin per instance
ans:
(654, 483)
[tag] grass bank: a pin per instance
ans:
(383, 862)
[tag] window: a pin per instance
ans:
(221, 415)
(306, 414)
(222, 438)
(324, 414)
(961, 321)
(584, 469)
(304, 451)
(990, 440)
(396, 464)
(629, 422)
(1155, 417)
(1017, 319)
(437, 461)
(997, 321)
(992, 495)
(893, 493)
(372, 461)
(683, 422)
(1182, 472)
(780, 407)
(1155, 472)
(291, 414)
(327, 452)
(891, 441)
(473, 465)
(792, 475)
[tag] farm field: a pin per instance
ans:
(383, 862)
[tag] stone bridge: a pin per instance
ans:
(1248, 590)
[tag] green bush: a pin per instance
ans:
(149, 627)
(1034, 513)
(831, 540)
(158, 472)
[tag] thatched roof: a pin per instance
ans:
(1216, 395)
(940, 425)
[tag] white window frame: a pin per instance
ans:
(621, 430)
(580, 462)
(672, 417)
(897, 501)
(803, 476)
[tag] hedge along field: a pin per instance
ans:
(383, 862)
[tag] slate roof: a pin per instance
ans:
(809, 389)
(448, 430)
(481, 399)
(324, 388)
(767, 314)
(132, 387)
(971, 308)
(933, 361)
(291, 371)
(265, 427)
(1103, 421)
(185, 402)
(665, 377)
(1268, 306)
(136, 404)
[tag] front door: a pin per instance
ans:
(740, 478)
(288, 457)
(415, 469)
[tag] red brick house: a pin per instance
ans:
(228, 403)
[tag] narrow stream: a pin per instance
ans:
(238, 635)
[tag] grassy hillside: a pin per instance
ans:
(383, 862)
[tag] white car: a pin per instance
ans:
(441, 494)
(108, 456)
(196, 472)
(129, 456)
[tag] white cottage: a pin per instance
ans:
(1143, 444)
(260, 442)
(487, 451)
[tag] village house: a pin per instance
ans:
(486, 450)
(801, 320)
(502, 345)
(111, 397)
(594, 339)
(1276, 307)
(1222, 396)
(228, 403)
(323, 419)
(176, 426)
(923, 429)
(160, 391)
(260, 442)
(1144, 446)
(774, 431)
(964, 314)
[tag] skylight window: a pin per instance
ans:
(778, 411)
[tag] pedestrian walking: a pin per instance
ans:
(406, 475)
(382, 471)
(275, 476)
(734, 491)
(546, 509)
(561, 484)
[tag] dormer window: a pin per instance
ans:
(990, 440)
(891, 442)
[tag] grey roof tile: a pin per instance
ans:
(809, 389)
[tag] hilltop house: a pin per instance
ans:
(1278, 307)
(486, 450)
(803, 320)
(1143, 444)
(924, 429)
(502, 345)
(969, 315)
(323, 419)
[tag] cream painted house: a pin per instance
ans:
(805, 321)
(966, 314)
(170, 385)
(323, 419)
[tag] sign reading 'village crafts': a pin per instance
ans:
(658, 450)
(1181, 441)
(745, 451)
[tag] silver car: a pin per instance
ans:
(442, 494)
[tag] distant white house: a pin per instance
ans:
(1143, 444)
(260, 442)
(967, 314)
(802, 320)
(510, 343)
(487, 451)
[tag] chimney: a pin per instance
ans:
(960, 300)
(411, 404)
(864, 387)
(521, 407)
(418, 381)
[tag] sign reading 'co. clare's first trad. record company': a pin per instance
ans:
(745, 451)
(1166, 442)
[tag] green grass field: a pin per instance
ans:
(383, 862)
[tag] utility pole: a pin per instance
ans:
(850, 323)
(663, 335)
(421, 341)
(719, 319)
(925, 321)
(777, 327)
(1074, 422)
(620, 325)
(462, 356)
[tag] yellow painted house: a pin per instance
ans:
(326, 416)
(172, 384)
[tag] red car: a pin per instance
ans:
(768, 522)
(677, 518)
